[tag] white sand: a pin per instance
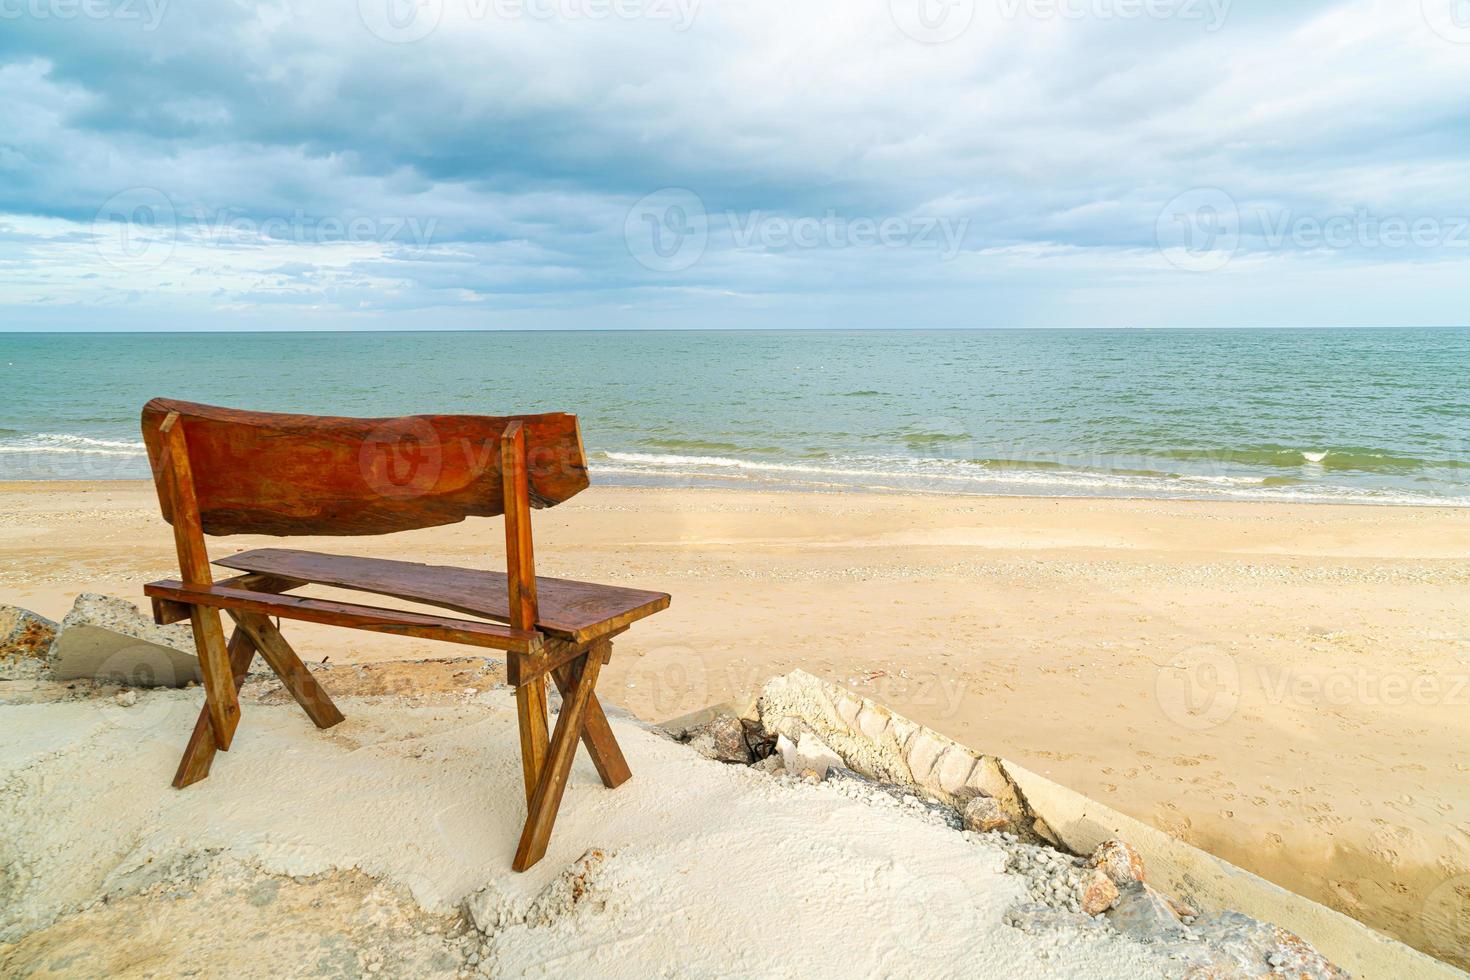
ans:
(712, 870)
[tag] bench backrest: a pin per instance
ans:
(269, 473)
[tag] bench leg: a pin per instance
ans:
(531, 716)
(553, 779)
(288, 667)
(597, 734)
(214, 663)
(199, 753)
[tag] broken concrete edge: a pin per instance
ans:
(107, 638)
(1202, 879)
(884, 746)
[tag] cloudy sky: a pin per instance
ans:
(394, 164)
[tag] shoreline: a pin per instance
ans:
(9, 484)
(1277, 683)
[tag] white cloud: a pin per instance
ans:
(315, 173)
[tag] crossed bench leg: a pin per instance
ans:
(253, 634)
(546, 766)
(581, 719)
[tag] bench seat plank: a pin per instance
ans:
(577, 611)
(371, 618)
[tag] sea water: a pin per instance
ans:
(1379, 416)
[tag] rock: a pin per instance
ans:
(1119, 861)
(25, 642)
(127, 698)
(1256, 948)
(493, 908)
(1143, 914)
(1036, 919)
(984, 814)
(760, 744)
(729, 740)
(808, 753)
(786, 752)
(844, 774)
(812, 754)
(109, 640)
(1182, 909)
(703, 742)
(770, 764)
(1098, 893)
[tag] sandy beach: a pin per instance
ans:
(1283, 685)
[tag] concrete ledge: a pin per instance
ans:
(879, 744)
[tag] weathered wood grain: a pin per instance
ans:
(270, 473)
(578, 611)
(176, 493)
(199, 752)
(597, 734)
(553, 782)
(293, 674)
(372, 618)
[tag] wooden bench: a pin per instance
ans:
(220, 471)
